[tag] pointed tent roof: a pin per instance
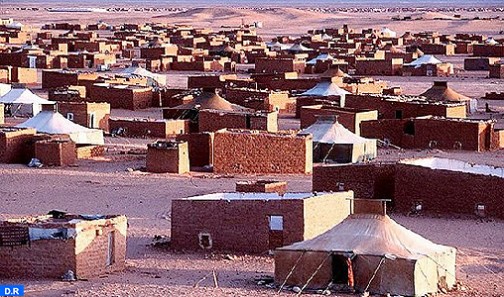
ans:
(371, 234)
(211, 100)
(320, 57)
(136, 70)
(491, 41)
(51, 122)
(425, 59)
(328, 130)
(23, 96)
(334, 72)
(387, 32)
(325, 88)
(298, 47)
(440, 91)
(4, 89)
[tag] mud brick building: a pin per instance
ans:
(449, 186)
(20, 75)
(168, 156)
(200, 148)
(15, 144)
(46, 247)
(378, 66)
(262, 186)
(441, 69)
(87, 114)
(400, 107)
(434, 132)
(254, 222)
(279, 65)
(479, 63)
(254, 152)
(366, 180)
(149, 128)
(213, 120)
(333, 100)
(259, 99)
(486, 50)
(350, 118)
(121, 96)
(56, 152)
(283, 81)
(61, 78)
(496, 70)
(438, 49)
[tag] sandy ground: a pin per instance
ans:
(103, 186)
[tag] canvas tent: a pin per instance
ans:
(24, 102)
(440, 91)
(139, 71)
(333, 142)
(321, 57)
(370, 252)
(425, 59)
(51, 122)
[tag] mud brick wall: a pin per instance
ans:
(251, 153)
(387, 108)
(55, 79)
(91, 251)
(90, 151)
(173, 159)
(278, 65)
(377, 67)
(210, 121)
(15, 146)
(129, 98)
(393, 130)
(483, 50)
(262, 186)
(315, 100)
(82, 110)
(146, 128)
(365, 180)
(309, 115)
(235, 225)
(41, 259)
(444, 191)
(24, 75)
(496, 71)
(56, 153)
(200, 148)
(479, 63)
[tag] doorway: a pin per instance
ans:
(110, 248)
(275, 236)
(339, 270)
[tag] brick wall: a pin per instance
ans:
(213, 120)
(387, 109)
(378, 67)
(150, 128)
(200, 148)
(479, 63)
(250, 152)
(54, 79)
(375, 180)
(131, 98)
(232, 223)
(483, 50)
(172, 157)
(349, 118)
(15, 145)
(91, 249)
(81, 113)
(432, 133)
(56, 152)
(278, 65)
(496, 71)
(24, 75)
(444, 191)
(262, 186)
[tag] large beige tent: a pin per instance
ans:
(333, 142)
(440, 91)
(372, 253)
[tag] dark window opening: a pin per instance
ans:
(248, 124)
(398, 114)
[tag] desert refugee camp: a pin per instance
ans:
(336, 148)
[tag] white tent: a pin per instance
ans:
(139, 71)
(14, 25)
(4, 89)
(327, 88)
(425, 59)
(51, 122)
(298, 47)
(491, 41)
(332, 141)
(386, 32)
(277, 46)
(20, 97)
(321, 57)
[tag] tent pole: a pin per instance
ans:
(313, 274)
(374, 273)
(290, 272)
(328, 152)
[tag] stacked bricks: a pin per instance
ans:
(164, 157)
(56, 152)
(252, 152)
(262, 186)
